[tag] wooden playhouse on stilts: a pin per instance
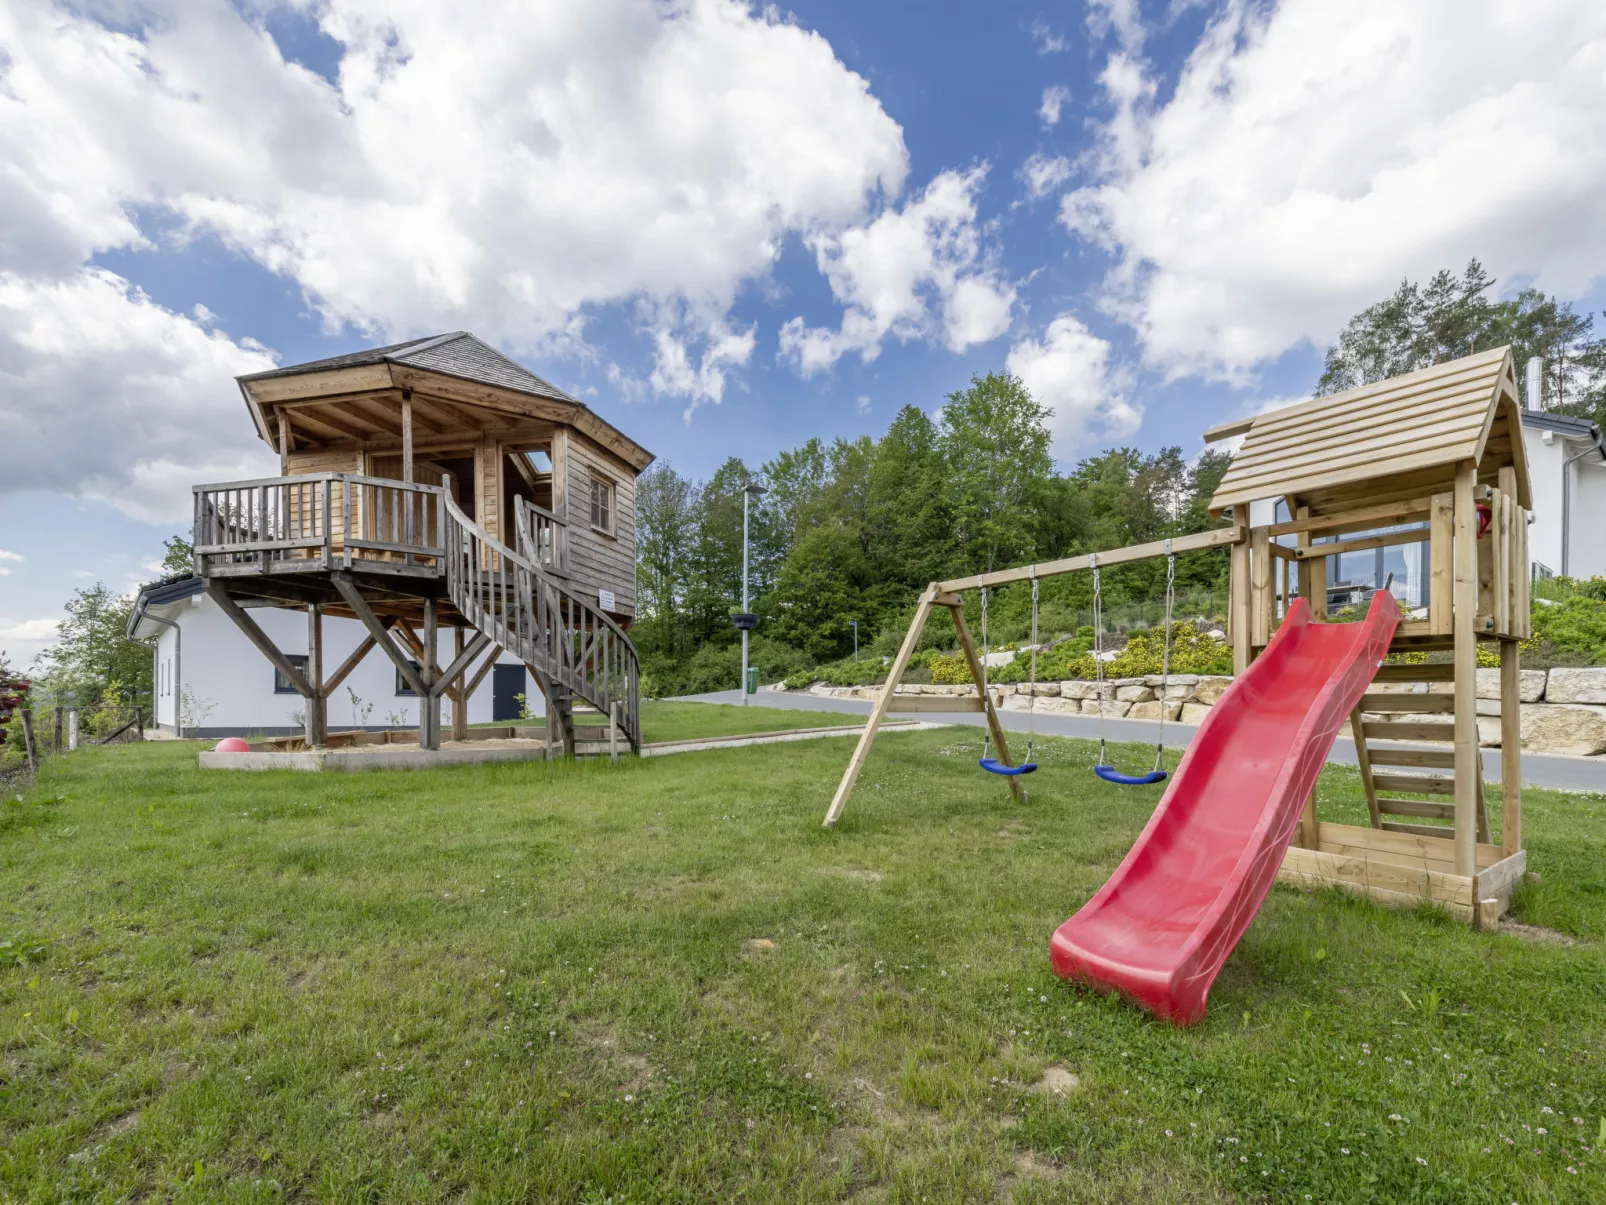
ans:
(1428, 467)
(1431, 463)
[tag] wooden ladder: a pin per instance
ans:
(1389, 772)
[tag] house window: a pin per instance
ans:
(281, 684)
(602, 504)
(403, 690)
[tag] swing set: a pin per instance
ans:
(950, 594)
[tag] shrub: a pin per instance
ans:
(1192, 652)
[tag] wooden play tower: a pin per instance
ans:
(1432, 463)
(430, 485)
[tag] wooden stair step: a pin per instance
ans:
(1440, 671)
(1416, 807)
(1420, 830)
(1425, 759)
(1421, 704)
(1407, 730)
(1415, 784)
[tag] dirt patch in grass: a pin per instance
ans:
(852, 875)
(758, 945)
(1537, 934)
(1059, 1081)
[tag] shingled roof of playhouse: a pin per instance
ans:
(1414, 429)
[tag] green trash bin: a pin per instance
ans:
(752, 680)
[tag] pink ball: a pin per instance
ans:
(232, 744)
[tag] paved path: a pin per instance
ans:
(1538, 770)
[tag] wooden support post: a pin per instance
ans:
(979, 676)
(458, 694)
(30, 747)
(1238, 602)
(376, 628)
(613, 733)
(1263, 581)
(317, 707)
(1363, 759)
(407, 434)
(72, 731)
(1465, 606)
(284, 444)
(867, 738)
(332, 683)
(1510, 748)
(429, 703)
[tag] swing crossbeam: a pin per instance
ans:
(951, 594)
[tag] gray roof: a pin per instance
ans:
(1568, 428)
(456, 354)
(164, 593)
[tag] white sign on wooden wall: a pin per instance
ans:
(605, 600)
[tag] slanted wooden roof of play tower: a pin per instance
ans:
(1398, 438)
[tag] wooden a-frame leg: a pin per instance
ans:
(980, 679)
(867, 737)
(1363, 760)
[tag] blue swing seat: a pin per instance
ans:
(1111, 774)
(993, 766)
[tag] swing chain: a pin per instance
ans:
(986, 736)
(1031, 699)
(1165, 654)
(1098, 651)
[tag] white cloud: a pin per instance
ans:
(1121, 18)
(8, 559)
(30, 629)
(1312, 155)
(1054, 99)
(1069, 370)
(1048, 42)
(105, 394)
(862, 404)
(507, 174)
(1043, 174)
(920, 270)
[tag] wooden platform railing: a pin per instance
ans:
(318, 521)
(573, 643)
(542, 536)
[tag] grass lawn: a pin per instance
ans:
(665, 982)
(668, 721)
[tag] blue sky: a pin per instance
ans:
(731, 229)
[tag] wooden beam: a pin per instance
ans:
(1239, 603)
(1363, 543)
(1510, 747)
(1407, 730)
(1383, 515)
(935, 703)
(1214, 538)
(360, 608)
(460, 663)
(332, 683)
(258, 637)
(1229, 430)
(1464, 618)
(1438, 671)
(861, 752)
(1409, 704)
(407, 435)
(317, 712)
(1363, 759)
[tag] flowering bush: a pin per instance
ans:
(1192, 652)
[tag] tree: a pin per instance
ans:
(1417, 327)
(93, 655)
(819, 590)
(665, 520)
(994, 441)
(178, 556)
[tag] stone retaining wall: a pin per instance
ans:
(1564, 710)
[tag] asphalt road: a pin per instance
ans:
(1538, 770)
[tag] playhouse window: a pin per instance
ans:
(602, 499)
(281, 684)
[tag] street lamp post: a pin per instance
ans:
(854, 623)
(746, 620)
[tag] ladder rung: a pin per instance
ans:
(1416, 807)
(1415, 784)
(1419, 704)
(1407, 730)
(1425, 759)
(1419, 830)
(1439, 671)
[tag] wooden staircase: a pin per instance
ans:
(582, 660)
(1406, 787)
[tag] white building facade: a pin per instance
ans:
(210, 681)
(1567, 464)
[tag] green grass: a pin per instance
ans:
(542, 983)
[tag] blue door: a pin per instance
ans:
(507, 684)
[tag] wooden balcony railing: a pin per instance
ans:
(319, 521)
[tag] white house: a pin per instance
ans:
(210, 680)
(1567, 462)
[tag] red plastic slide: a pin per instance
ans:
(1161, 928)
